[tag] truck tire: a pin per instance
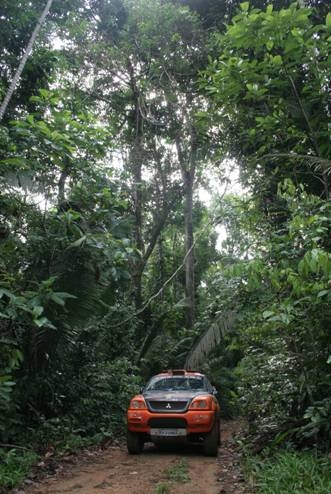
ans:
(219, 442)
(134, 443)
(210, 443)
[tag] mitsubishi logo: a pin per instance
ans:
(168, 405)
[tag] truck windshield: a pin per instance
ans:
(175, 383)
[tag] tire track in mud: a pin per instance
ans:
(113, 471)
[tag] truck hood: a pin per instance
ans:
(172, 395)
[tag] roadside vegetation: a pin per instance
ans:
(300, 472)
(109, 271)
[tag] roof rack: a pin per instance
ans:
(180, 372)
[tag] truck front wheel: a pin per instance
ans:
(210, 443)
(134, 443)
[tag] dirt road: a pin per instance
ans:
(156, 471)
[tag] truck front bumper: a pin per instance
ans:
(193, 421)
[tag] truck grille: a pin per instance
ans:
(167, 406)
(167, 423)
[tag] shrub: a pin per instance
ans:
(14, 466)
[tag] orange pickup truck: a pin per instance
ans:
(177, 405)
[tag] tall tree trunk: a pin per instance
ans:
(187, 165)
(21, 66)
(161, 267)
(189, 238)
(187, 161)
(136, 161)
(137, 199)
(61, 186)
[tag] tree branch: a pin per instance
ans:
(21, 66)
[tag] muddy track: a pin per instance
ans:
(113, 471)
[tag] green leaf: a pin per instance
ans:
(44, 322)
(9, 383)
(267, 313)
(58, 300)
(244, 6)
(277, 60)
(4, 291)
(37, 310)
(60, 297)
(328, 21)
(78, 242)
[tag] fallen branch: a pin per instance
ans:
(14, 446)
(278, 434)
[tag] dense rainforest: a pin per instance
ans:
(124, 247)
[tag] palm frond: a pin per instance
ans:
(319, 164)
(209, 339)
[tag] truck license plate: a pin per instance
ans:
(168, 432)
